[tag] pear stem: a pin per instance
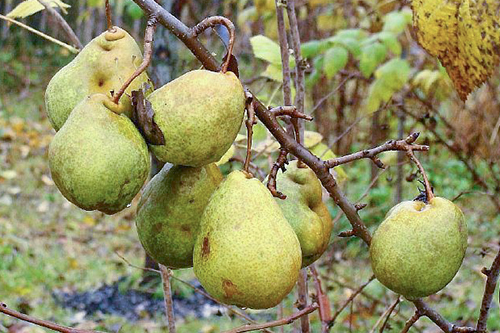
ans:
(167, 294)
(108, 17)
(249, 123)
(427, 184)
(148, 54)
(211, 22)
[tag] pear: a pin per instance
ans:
(102, 66)
(418, 248)
(246, 253)
(170, 209)
(200, 114)
(98, 159)
(305, 210)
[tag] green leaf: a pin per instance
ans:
(390, 41)
(30, 7)
(396, 22)
(372, 56)
(273, 72)
(353, 45)
(335, 59)
(266, 49)
(134, 11)
(390, 78)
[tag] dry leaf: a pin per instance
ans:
(464, 35)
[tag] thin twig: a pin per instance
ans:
(305, 326)
(148, 54)
(442, 323)
(300, 67)
(392, 145)
(386, 313)
(280, 322)
(391, 310)
(416, 316)
(427, 184)
(489, 289)
(290, 111)
(41, 34)
(349, 300)
(64, 25)
(325, 311)
(271, 181)
(196, 289)
(40, 322)
(167, 294)
(212, 22)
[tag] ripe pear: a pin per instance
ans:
(98, 159)
(170, 209)
(305, 210)
(418, 248)
(246, 253)
(200, 114)
(102, 66)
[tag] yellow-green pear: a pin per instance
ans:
(102, 66)
(98, 159)
(418, 248)
(170, 209)
(246, 253)
(200, 114)
(305, 210)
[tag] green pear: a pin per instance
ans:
(200, 114)
(98, 159)
(102, 66)
(418, 248)
(246, 253)
(170, 209)
(305, 210)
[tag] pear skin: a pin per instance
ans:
(98, 159)
(305, 210)
(246, 253)
(102, 66)
(170, 210)
(418, 248)
(200, 114)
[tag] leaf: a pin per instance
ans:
(390, 41)
(335, 59)
(372, 56)
(390, 78)
(273, 72)
(30, 7)
(396, 22)
(463, 35)
(266, 49)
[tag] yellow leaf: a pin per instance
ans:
(463, 35)
(30, 7)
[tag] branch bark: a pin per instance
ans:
(489, 289)
(64, 25)
(40, 322)
(280, 322)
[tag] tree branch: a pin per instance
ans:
(64, 25)
(40, 322)
(167, 295)
(489, 289)
(280, 322)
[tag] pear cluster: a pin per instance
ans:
(245, 246)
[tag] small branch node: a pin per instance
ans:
(360, 206)
(345, 234)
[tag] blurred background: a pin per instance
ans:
(367, 81)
